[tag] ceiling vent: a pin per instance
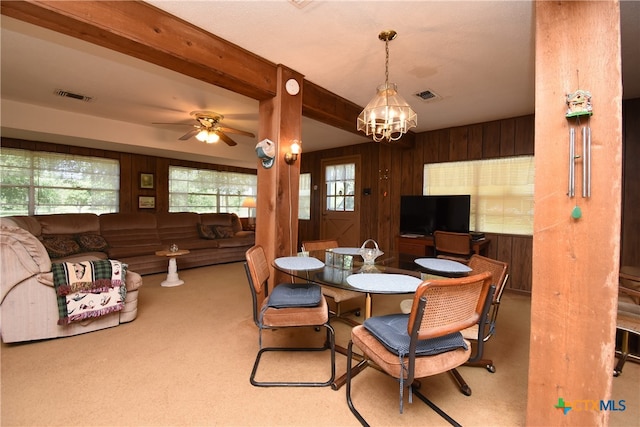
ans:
(67, 94)
(427, 95)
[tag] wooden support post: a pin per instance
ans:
(277, 201)
(575, 260)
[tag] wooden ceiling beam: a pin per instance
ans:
(145, 32)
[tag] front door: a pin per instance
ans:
(341, 201)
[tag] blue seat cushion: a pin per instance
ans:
(295, 295)
(391, 331)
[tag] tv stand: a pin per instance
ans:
(423, 245)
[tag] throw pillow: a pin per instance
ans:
(391, 331)
(223, 231)
(206, 231)
(295, 295)
(58, 247)
(92, 243)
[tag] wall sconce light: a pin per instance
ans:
(291, 157)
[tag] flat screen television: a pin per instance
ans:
(426, 214)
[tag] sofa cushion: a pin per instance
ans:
(69, 224)
(130, 230)
(238, 241)
(223, 231)
(92, 243)
(58, 247)
(206, 231)
(177, 225)
(222, 219)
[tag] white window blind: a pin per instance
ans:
(204, 190)
(501, 191)
(304, 197)
(35, 182)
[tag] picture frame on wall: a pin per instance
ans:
(146, 202)
(146, 180)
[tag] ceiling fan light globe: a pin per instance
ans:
(202, 136)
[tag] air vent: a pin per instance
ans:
(426, 95)
(67, 94)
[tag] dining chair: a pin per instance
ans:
(628, 318)
(482, 331)
(456, 246)
(338, 296)
(427, 341)
(290, 305)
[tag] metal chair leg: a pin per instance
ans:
(328, 344)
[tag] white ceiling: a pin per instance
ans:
(478, 56)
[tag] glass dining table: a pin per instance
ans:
(390, 273)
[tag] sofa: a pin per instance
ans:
(28, 301)
(134, 238)
(30, 244)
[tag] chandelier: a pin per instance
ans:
(387, 116)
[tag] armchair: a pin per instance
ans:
(28, 306)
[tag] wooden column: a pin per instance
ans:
(277, 201)
(575, 261)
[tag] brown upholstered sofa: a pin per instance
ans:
(134, 238)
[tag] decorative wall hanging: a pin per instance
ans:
(266, 151)
(579, 111)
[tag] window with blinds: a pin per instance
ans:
(501, 191)
(36, 183)
(304, 196)
(205, 190)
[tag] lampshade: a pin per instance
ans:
(249, 202)
(387, 115)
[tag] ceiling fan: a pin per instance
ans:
(209, 129)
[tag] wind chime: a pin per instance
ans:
(578, 113)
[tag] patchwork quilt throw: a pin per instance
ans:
(88, 289)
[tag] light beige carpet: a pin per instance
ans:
(186, 360)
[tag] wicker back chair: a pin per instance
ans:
(425, 342)
(338, 296)
(456, 246)
(267, 316)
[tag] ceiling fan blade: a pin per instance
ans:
(230, 142)
(179, 124)
(239, 132)
(189, 134)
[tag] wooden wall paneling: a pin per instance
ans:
(430, 147)
(630, 250)
(162, 184)
(458, 143)
(520, 267)
(368, 203)
(127, 183)
(491, 140)
(507, 137)
(474, 142)
(386, 195)
(414, 160)
(442, 141)
(524, 138)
